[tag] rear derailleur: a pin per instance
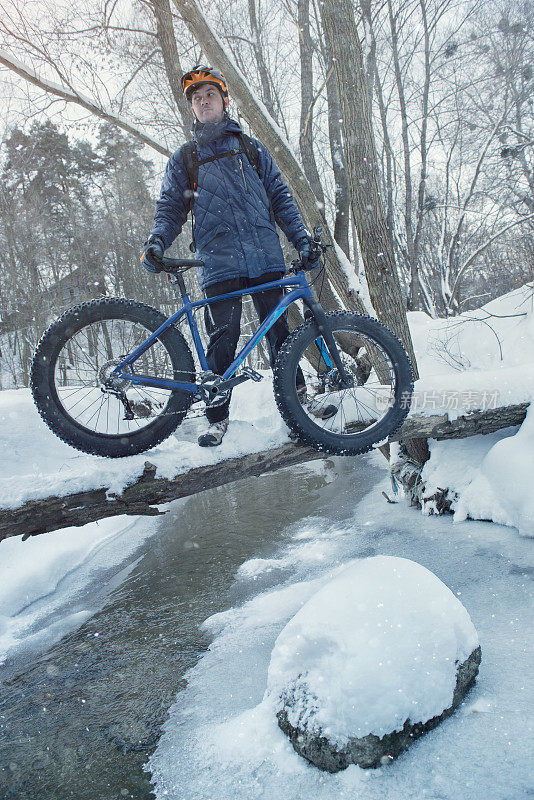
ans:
(121, 394)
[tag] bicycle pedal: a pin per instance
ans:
(252, 374)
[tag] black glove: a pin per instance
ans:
(308, 251)
(153, 253)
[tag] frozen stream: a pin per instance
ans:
(220, 740)
(101, 668)
(79, 718)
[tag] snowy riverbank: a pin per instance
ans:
(222, 740)
(481, 359)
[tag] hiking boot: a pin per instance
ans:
(319, 412)
(214, 435)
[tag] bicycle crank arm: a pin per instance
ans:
(246, 374)
(213, 387)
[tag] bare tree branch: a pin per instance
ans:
(72, 96)
(481, 249)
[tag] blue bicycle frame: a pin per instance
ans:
(301, 291)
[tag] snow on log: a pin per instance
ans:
(372, 661)
(144, 495)
(471, 424)
(148, 491)
(407, 467)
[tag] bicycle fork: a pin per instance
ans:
(327, 342)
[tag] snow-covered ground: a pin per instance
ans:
(222, 739)
(218, 741)
(483, 344)
(481, 359)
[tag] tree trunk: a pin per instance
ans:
(342, 196)
(171, 60)
(260, 60)
(387, 167)
(306, 102)
(414, 291)
(375, 240)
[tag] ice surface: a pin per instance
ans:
(377, 645)
(222, 739)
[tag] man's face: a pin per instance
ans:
(208, 103)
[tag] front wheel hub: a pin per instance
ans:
(335, 383)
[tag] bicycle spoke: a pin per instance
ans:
(96, 413)
(363, 404)
(88, 359)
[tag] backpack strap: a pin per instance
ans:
(250, 150)
(190, 157)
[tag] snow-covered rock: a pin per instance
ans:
(374, 659)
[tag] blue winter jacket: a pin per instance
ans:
(234, 233)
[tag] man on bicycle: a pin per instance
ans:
(236, 194)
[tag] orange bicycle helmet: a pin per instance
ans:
(200, 75)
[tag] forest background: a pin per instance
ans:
(451, 85)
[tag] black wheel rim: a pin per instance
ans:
(346, 413)
(84, 362)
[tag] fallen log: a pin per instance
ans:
(407, 467)
(144, 495)
(470, 424)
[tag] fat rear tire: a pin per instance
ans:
(45, 394)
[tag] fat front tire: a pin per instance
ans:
(77, 353)
(323, 414)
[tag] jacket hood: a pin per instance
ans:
(205, 132)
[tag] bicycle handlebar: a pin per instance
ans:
(175, 266)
